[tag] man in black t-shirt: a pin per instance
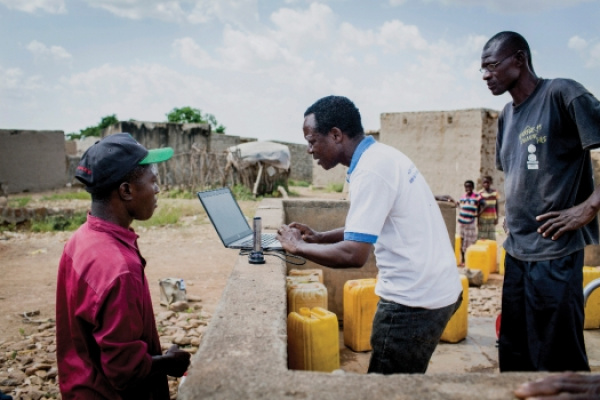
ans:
(543, 143)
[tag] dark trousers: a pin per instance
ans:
(404, 338)
(542, 315)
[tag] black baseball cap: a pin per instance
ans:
(110, 159)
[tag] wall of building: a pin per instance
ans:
(302, 166)
(448, 147)
(32, 161)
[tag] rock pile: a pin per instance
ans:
(486, 300)
(29, 369)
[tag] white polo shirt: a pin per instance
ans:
(392, 206)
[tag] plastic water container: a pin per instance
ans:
(457, 249)
(492, 247)
(291, 280)
(313, 340)
(501, 264)
(477, 257)
(312, 294)
(458, 326)
(592, 308)
(360, 304)
(314, 274)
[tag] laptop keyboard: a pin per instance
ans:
(265, 240)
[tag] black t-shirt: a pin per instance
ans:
(543, 148)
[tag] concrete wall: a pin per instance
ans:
(32, 161)
(219, 143)
(448, 147)
(302, 167)
(323, 178)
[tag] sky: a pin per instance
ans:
(258, 65)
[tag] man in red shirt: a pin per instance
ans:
(107, 342)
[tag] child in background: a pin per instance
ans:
(469, 208)
(488, 219)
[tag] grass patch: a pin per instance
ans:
(19, 202)
(57, 223)
(177, 194)
(243, 193)
(335, 187)
(78, 195)
(8, 227)
(168, 215)
(292, 182)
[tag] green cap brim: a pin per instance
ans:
(157, 155)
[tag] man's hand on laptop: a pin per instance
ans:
(308, 235)
(290, 238)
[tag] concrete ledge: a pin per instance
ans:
(243, 354)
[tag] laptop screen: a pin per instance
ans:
(225, 214)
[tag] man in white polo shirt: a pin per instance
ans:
(392, 208)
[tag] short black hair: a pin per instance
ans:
(133, 176)
(513, 42)
(470, 182)
(336, 112)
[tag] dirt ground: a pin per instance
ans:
(191, 251)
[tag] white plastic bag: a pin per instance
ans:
(172, 290)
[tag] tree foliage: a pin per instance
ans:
(193, 115)
(105, 122)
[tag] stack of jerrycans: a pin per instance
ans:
(313, 335)
(360, 304)
(305, 288)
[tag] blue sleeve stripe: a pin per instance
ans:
(360, 237)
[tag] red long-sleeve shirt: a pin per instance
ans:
(105, 329)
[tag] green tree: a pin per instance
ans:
(193, 115)
(105, 122)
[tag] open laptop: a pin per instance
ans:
(230, 223)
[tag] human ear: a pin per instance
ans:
(521, 57)
(337, 134)
(125, 191)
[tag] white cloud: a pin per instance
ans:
(504, 6)
(577, 43)
(30, 6)
(192, 54)
(302, 29)
(19, 93)
(236, 12)
(394, 36)
(588, 50)
(42, 52)
(10, 78)
(593, 57)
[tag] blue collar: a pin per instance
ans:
(360, 149)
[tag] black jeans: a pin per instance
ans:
(542, 315)
(404, 338)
